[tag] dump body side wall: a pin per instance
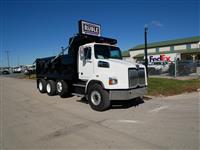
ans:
(62, 68)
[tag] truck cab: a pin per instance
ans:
(93, 68)
(102, 64)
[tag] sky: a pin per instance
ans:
(31, 29)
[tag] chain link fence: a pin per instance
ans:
(176, 68)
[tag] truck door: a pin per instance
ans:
(85, 63)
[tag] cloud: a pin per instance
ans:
(156, 23)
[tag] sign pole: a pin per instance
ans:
(175, 66)
(145, 50)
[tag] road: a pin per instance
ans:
(30, 120)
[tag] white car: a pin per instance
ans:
(158, 67)
(30, 70)
(17, 70)
(4, 71)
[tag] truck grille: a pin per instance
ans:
(136, 77)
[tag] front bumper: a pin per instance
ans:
(127, 94)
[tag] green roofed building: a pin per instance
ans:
(126, 56)
(183, 49)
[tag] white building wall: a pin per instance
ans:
(164, 49)
(130, 59)
(167, 57)
(194, 45)
(151, 50)
(180, 47)
(134, 53)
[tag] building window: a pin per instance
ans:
(157, 49)
(171, 48)
(188, 46)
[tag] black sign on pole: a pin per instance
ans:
(89, 28)
(145, 50)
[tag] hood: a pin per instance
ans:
(122, 63)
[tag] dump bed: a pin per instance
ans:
(61, 68)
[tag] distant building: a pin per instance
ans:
(183, 49)
(126, 56)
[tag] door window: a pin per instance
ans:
(87, 53)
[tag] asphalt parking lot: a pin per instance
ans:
(30, 120)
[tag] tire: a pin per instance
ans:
(98, 98)
(42, 85)
(51, 87)
(62, 88)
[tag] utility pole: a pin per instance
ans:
(8, 61)
(18, 61)
(145, 50)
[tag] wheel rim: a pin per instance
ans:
(59, 87)
(48, 88)
(95, 98)
(40, 86)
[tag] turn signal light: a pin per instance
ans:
(112, 81)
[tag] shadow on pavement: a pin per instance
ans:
(83, 100)
(122, 104)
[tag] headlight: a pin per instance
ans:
(112, 81)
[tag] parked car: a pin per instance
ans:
(30, 70)
(4, 71)
(17, 70)
(158, 67)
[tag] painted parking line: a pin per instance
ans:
(129, 121)
(158, 109)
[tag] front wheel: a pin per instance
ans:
(98, 98)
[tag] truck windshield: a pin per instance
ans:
(106, 52)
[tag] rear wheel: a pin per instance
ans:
(51, 87)
(62, 88)
(98, 98)
(42, 85)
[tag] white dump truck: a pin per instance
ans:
(92, 68)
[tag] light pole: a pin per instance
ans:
(18, 61)
(145, 49)
(8, 60)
